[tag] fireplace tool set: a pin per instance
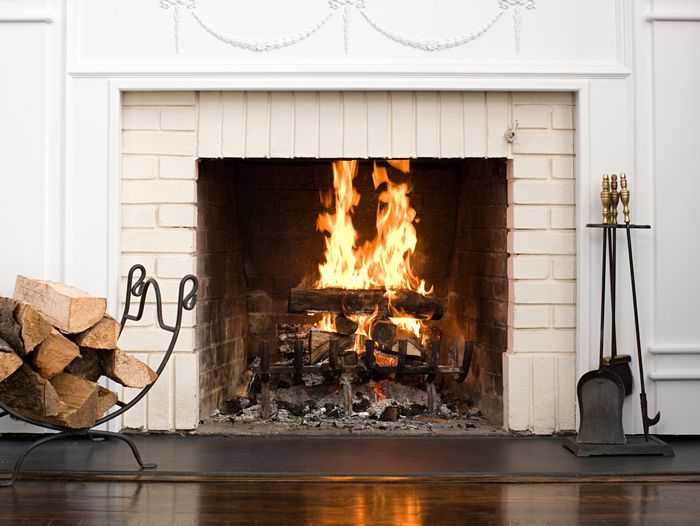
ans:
(137, 287)
(601, 392)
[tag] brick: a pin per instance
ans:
(544, 141)
(178, 119)
(159, 191)
(543, 340)
(177, 215)
(531, 316)
(566, 392)
(563, 167)
(532, 116)
(159, 142)
(186, 391)
(129, 260)
(544, 395)
(138, 118)
(531, 167)
(178, 168)
(564, 267)
(159, 98)
(160, 398)
(563, 217)
(565, 317)
(139, 216)
(139, 167)
(175, 266)
(537, 292)
(530, 267)
(543, 192)
(530, 217)
(145, 339)
(517, 393)
(563, 118)
(550, 242)
(542, 97)
(165, 240)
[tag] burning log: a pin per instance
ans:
(290, 333)
(365, 301)
(320, 343)
(344, 325)
(384, 333)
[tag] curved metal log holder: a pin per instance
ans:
(138, 287)
(366, 368)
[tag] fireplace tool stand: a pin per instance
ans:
(137, 287)
(601, 392)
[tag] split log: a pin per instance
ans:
(80, 397)
(9, 328)
(344, 325)
(344, 301)
(320, 343)
(66, 308)
(414, 347)
(290, 333)
(29, 393)
(9, 361)
(384, 333)
(103, 335)
(87, 365)
(126, 369)
(106, 399)
(33, 326)
(54, 354)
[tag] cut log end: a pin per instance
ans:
(54, 354)
(126, 369)
(34, 328)
(103, 335)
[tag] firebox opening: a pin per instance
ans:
(257, 239)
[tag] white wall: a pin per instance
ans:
(636, 79)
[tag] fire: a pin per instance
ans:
(327, 323)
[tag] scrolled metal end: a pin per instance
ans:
(136, 288)
(189, 300)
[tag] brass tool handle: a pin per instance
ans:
(614, 199)
(625, 198)
(605, 199)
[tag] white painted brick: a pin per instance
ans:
(211, 125)
(135, 417)
(159, 142)
(564, 267)
(129, 260)
(544, 141)
(563, 217)
(149, 314)
(530, 267)
(543, 395)
(517, 391)
(543, 340)
(159, 191)
(176, 266)
(178, 119)
(169, 289)
(532, 116)
(531, 316)
(542, 97)
(537, 292)
(531, 167)
(145, 339)
(186, 391)
(165, 240)
(160, 397)
(139, 167)
(543, 192)
(530, 217)
(177, 215)
(563, 118)
(159, 98)
(565, 317)
(550, 242)
(139, 216)
(139, 118)
(563, 167)
(178, 168)
(566, 392)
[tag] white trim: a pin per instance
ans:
(673, 376)
(23, 18)
(674, 349)
(673, 16)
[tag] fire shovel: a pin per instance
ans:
(646, 421)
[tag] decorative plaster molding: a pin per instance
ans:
(424, 44)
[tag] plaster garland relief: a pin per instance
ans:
(348, 7)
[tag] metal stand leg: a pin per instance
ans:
(129, 442)
(32, 446)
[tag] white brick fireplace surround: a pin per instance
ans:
(164, 133)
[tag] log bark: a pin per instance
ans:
(66, 308)
(9, 328)
(9, 361)
(30, 394)
(87, 365)
(54, 354)
(33, 326)
(80, 397)
(344, 325)
(384, 333)
(106, 399)
(125, 369)
(343, 301)
(320, 342)
(103, 335)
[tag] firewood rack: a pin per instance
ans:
(137, 288)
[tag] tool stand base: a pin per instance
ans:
(636, 445)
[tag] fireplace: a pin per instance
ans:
(227, 185)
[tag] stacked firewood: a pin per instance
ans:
(56, 342)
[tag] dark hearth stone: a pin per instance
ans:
(390, 414)
(412, 410)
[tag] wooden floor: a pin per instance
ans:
(357, 504)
